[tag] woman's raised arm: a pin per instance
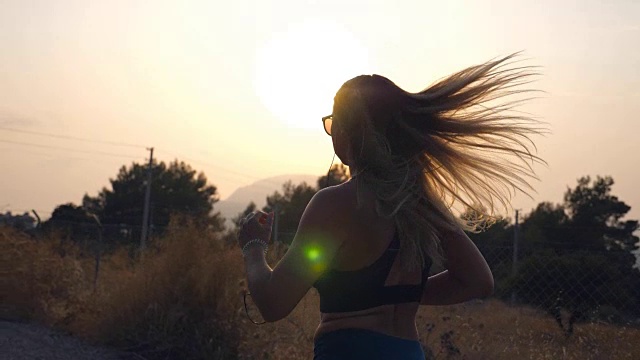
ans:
(467, 275)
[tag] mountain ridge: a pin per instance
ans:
(257, 192)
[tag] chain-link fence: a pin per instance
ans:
(587, 284)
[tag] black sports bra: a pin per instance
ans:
(343, 291)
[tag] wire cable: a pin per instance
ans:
(68, 149)
(57, 136)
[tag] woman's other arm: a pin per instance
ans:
(467, 276)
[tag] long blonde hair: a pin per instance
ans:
(451, 144)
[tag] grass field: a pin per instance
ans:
(185, 297)
(477, 330)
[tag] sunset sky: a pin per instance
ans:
(237, 88)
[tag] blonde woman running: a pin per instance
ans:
(368, 245)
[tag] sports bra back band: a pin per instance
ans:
(344, 291)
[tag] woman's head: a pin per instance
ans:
(363, 117)
(426, 152)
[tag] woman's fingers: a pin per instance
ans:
(257, 224)
(264, 220)
(260, 216)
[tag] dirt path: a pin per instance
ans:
(24, 341)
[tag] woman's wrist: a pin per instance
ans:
(253, 246)
(254, 255)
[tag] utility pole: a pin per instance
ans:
(514, 268)
(147, 200)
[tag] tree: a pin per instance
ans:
(578, 256)
(337, 175)
(70, 221)
(175, 189)
(22, 222)
(546, 226)
(596, 218)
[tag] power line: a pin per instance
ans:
(112, 143)
(115, 143)
(216, 175)
(68, 149)
(229, 171)
(47, 155)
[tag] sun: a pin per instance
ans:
(299, 71)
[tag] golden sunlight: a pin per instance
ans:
(299, 71)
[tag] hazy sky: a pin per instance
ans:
(237, 88)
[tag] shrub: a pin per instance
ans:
(179, 301)
(44, 280)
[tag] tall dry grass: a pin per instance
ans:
(180, 300)
(42, 280)
(183, 301)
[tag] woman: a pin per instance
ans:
(367, 245)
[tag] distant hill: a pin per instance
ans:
(257, 192)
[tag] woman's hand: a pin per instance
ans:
(256, 225)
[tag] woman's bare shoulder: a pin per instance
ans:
(337, 198)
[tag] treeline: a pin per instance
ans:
(115, 214)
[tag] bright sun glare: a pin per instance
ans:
(298, 72)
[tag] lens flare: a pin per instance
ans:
(315, 255)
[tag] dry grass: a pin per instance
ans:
(44, 280)
(181, 299)
(185, 298)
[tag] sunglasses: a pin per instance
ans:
(327, 121)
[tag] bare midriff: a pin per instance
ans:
(394, 320)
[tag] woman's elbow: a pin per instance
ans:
(485, 287)
(273, 314)
(272, 317)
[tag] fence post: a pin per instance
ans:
(98, 253)
(514, 267)
(38, 228)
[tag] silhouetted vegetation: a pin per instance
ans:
(24, 222)
(337, 175)
(176, 189)
(184, 300)
(574, 257)
(183, 297)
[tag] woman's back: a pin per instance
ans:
(368, 240)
